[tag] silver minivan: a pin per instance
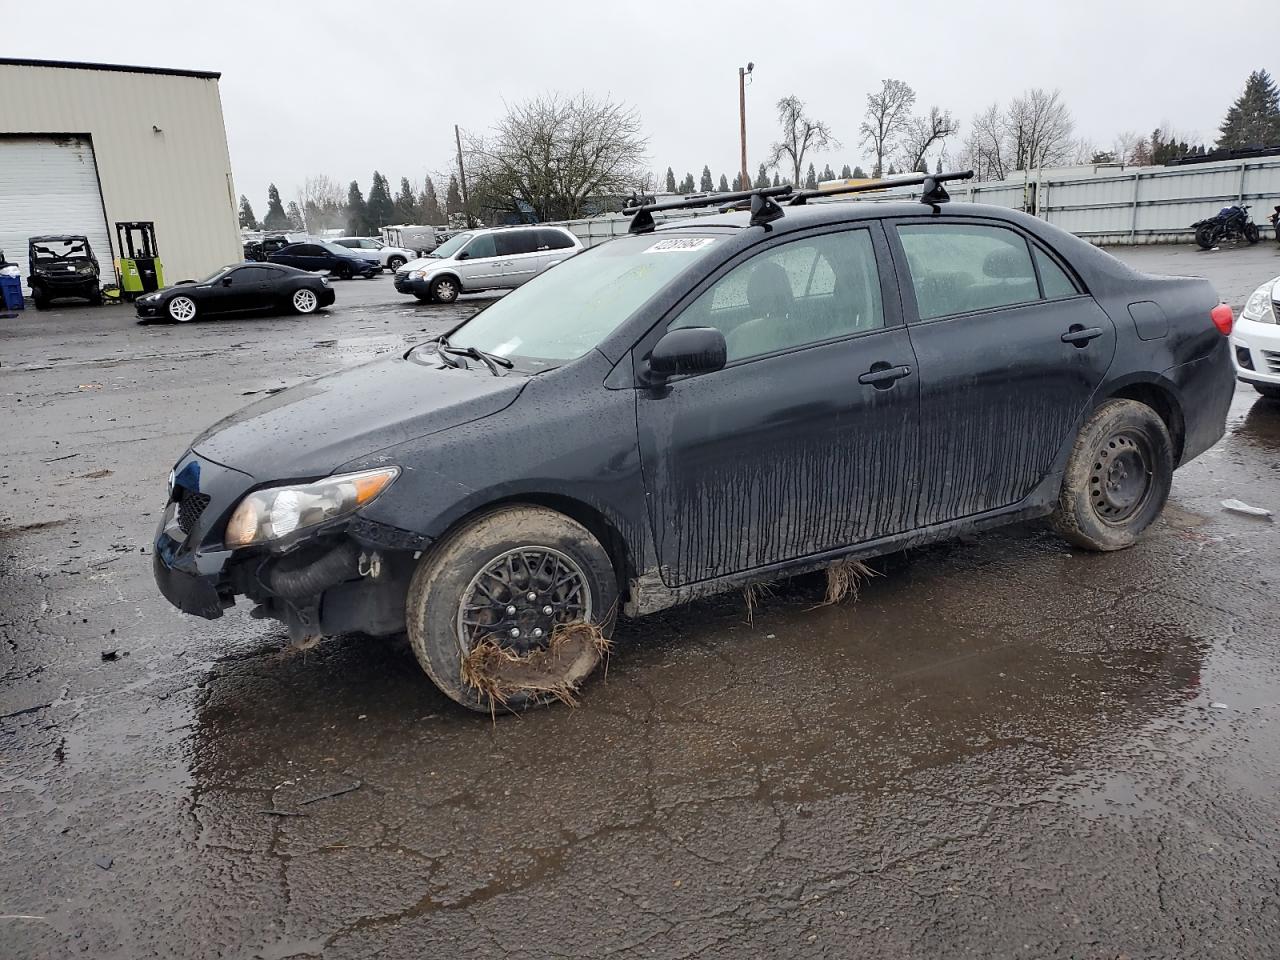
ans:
(497, 258)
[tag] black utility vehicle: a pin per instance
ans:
(62, 266)
(699, 405)
(239, 288)
(258, 250)
(317, 255)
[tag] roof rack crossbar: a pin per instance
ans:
(642, 215)
(932, 182)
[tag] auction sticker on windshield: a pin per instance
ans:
(680, 244)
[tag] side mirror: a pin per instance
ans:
(226, 281)
(462, 256)
(688, 350)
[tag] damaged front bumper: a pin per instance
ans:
(350, 574)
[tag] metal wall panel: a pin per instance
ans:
(160, 146)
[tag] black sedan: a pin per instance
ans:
(240, 288)
(318, 255)
(696, 407)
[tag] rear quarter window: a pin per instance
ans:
(1053, 278)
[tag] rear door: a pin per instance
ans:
(806, 441)
(1010, 351)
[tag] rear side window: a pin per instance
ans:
(348, 243)
(514, 242)
(1053, 278)
(553, 240)
(962, 267)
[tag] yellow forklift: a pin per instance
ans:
(139, 269)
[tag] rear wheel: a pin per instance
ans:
(1251, 233)
(1207, 236)
(182, 309)
(344, 272)
(395, 263)
(304, 301)
(444, 290)
(1269, 390)
(1117, 478)
(511, 579)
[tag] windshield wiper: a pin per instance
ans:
(491, 360)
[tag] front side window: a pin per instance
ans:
(962, 267)
(796, 294)
(564, 313)
(481, 247)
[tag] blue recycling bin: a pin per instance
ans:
(11, 292)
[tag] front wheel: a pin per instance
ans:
(1207, 236)
(344, 272)
(512, 609)
(182, 309)
(1269, 390)
(1117, 478)
(1251, 233)
(444, 290)
(304, 301)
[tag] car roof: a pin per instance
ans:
(57, 236)
(841, 211)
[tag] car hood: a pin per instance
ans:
(312, 429)
(424, 263)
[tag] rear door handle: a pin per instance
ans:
(882, 376)
(1079, 335)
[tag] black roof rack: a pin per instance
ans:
(764, 206)
(933, 193)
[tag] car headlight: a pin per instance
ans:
(1260, 307)
(325, 281)
(419, 274)
(278, 511)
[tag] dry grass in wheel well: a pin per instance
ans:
(556, 670)
(844, 580)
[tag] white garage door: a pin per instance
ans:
(49, 185)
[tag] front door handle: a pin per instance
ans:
(882, 375)
(1079, 335)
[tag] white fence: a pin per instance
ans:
(1099, 204)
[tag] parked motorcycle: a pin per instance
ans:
(1231, 223)
(1275, 223)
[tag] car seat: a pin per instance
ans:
(771, 300)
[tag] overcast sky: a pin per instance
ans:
(349, 86)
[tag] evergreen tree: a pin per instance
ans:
(724, 183)
(762, 178)
(845, 172)
(707, 185)
(247, 220)
(453, 198)
(294, 216)
(923, 166)
(357, 212)
(938, 168)
(737, 183)
(406, 208)
(429, 211)
(891, 172)
(777, 181)
(688, 184)
(671, 180)
(811, 179)
(1254, 119)
(859, 173)
(827, 173)
(380, 209)
(275, 218)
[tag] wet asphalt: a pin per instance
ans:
(1005, 748)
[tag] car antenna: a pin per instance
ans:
(932, 195)
(764, 208)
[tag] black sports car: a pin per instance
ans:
(323, 255)
(240, 288)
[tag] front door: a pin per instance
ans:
(1010, 351)
(806, 441)
(481, 268)
(519, 252)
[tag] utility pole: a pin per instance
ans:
(743, 72)
(462, 177)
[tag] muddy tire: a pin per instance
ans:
(1117, 478)
(444, 589)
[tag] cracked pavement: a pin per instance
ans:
(1005, 748)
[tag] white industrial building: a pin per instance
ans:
(84, 146)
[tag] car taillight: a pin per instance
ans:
(1222, 318)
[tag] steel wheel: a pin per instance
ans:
(305, 301)
(182, 309)
(520, 597)
(1120, 481)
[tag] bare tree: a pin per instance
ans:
(1039, 128)
(888, 113)
(921, 133)
(984, 147)
(322, 201)
(800, 134)
(555, 153)
(1125, 145)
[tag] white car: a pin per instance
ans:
(494, 258)
(1255, 340)
(373, 249)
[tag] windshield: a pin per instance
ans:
(217, 273)
(60, 249)
(450, 247)
(564, 313)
